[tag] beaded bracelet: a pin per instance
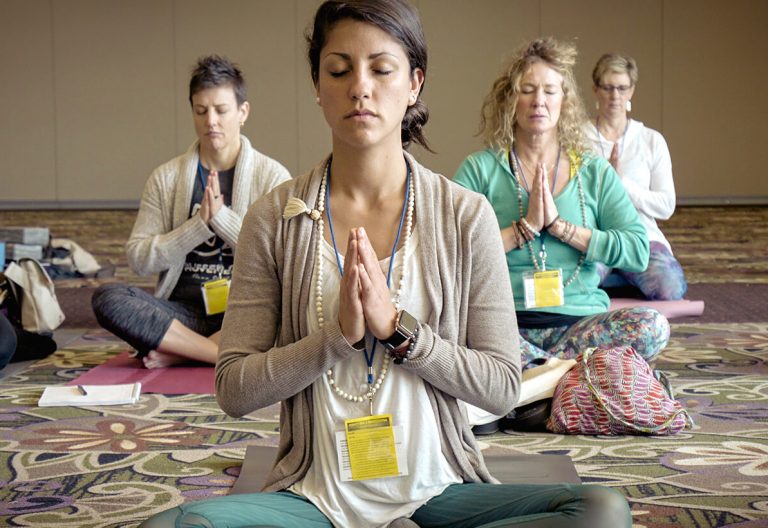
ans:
(529, 228)
(525, 229)
(518, 237)
(521, 234)
(546, 228)
(570, 235)
(401, 358)
(568, 231)
(524, 235)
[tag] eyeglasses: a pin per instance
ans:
(609, 88)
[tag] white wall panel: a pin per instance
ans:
(258, 35)
(27, 119)
(113, 71)
(95, 92)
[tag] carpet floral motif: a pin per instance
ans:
(75, 467)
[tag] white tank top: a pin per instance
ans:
(374, 502)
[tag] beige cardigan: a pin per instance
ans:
(164, 233)
(467, 349)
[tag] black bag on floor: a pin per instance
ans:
(29, 345)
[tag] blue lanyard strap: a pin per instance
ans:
(368, 357)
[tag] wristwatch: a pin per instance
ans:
(406, 327)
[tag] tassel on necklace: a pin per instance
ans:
(296, 206)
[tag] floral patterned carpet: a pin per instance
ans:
(71, 467)
(115, 466)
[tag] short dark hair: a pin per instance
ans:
(399, 20)
(213, 71)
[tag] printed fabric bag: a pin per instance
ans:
(613, 392)
(33, 289)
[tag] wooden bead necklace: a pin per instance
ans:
(373, 386)
(582, 203)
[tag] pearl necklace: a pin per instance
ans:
(582, 204)
(318, 216)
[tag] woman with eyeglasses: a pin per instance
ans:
(641, 158)
(561, 210)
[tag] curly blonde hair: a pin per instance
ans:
(498, 116)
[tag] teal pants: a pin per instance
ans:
(459, 506)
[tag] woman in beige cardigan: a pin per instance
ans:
(368, 297)
(187, 228)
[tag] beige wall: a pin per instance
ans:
(94, 91)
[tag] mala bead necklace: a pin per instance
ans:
(295, 207)
(582, 204)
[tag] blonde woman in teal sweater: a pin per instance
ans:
(561, 211)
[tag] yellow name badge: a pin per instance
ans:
(371, 447)
(215, 294)
(543, 288)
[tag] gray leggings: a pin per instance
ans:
(142, 320)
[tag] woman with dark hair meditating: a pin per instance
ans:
(363, 298)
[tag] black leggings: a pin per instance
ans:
(7, 341)
(142, 320)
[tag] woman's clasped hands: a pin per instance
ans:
(212, 198)
(542, 210)
(364, 299)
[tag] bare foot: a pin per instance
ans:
(157, 359)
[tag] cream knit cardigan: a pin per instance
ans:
(164, 233)
(468, 348)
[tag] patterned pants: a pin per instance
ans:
(644, 329)
(662, 280)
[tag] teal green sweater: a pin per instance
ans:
(618, 239)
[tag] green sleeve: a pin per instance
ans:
(470, 175)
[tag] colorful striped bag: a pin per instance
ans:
(611, 392)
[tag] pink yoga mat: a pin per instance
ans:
(670, 309)
(173, 380)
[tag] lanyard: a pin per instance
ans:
(200, 173)
(368, 357)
